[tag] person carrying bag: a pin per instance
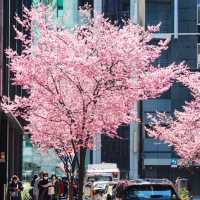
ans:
(15, 188)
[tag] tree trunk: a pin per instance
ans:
(81, 173)
(70, 188)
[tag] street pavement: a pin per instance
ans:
(196, 198)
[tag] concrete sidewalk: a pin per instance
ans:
(196, 198)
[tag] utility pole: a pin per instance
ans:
(96, 157)
(137, 16)
(141, 140)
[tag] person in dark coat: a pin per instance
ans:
(15, 188)
(64, 186)
(32, 186)
(43, 187)
(54, 188)
(35, 187)
(33, 180)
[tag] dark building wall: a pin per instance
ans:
(187, 16)
(117, 150)
(160, 11)
(3, 147)
(163, 10)
(184, 48)
(10, 129)
(116, 10)
(83, 2)
(192, 174)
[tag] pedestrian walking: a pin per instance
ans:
(43, 186)
(15, 188)
(178, 185)
(75, 189)
(65, 186)
(35, 187)
(33, 180)
(32, 186)
(61, 189)
(54, 188)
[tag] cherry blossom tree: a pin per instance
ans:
(183, 130)
(83, 82)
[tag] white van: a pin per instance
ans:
(104, 172)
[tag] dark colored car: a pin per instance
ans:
(145, 189)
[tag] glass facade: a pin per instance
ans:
(83, 2)
(117, 150)
(116, 10)
(35, 161)
(160, 11)
(10, 127)
(198, 12)
(60, 8)
(66, 14)
(198, 55)
(157, 156)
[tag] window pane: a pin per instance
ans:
(60, 13)
(198, 56)
(116, 10)
(198, 10)
(83, 2)
(160, 11)
(60, 4)
(149, 192)
(34, 160)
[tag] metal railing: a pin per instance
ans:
(5, 191)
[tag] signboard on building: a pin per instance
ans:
(174, 163)
(2, 157)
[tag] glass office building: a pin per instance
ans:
(179, 22)
(10, 127)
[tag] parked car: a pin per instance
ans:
(97, 174)
(87, 191)
(102, 172)
(95, 190)
(98, 189)
(108, 192)
(145, 189)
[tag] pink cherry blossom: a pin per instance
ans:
(85, 81)
(183, 131)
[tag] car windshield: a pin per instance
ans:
(99, 178)
(100, 185)
(150, 192)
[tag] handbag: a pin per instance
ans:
(51, 190)
(14, 194)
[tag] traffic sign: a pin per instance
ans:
(173, 162)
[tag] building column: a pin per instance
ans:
(71, 15)
(137, 12)
(134, 148)
(98, 6)
(176, 19)
(134, 11)
(137, 7)
(97, 139)
(1, 47)
(97, 149)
